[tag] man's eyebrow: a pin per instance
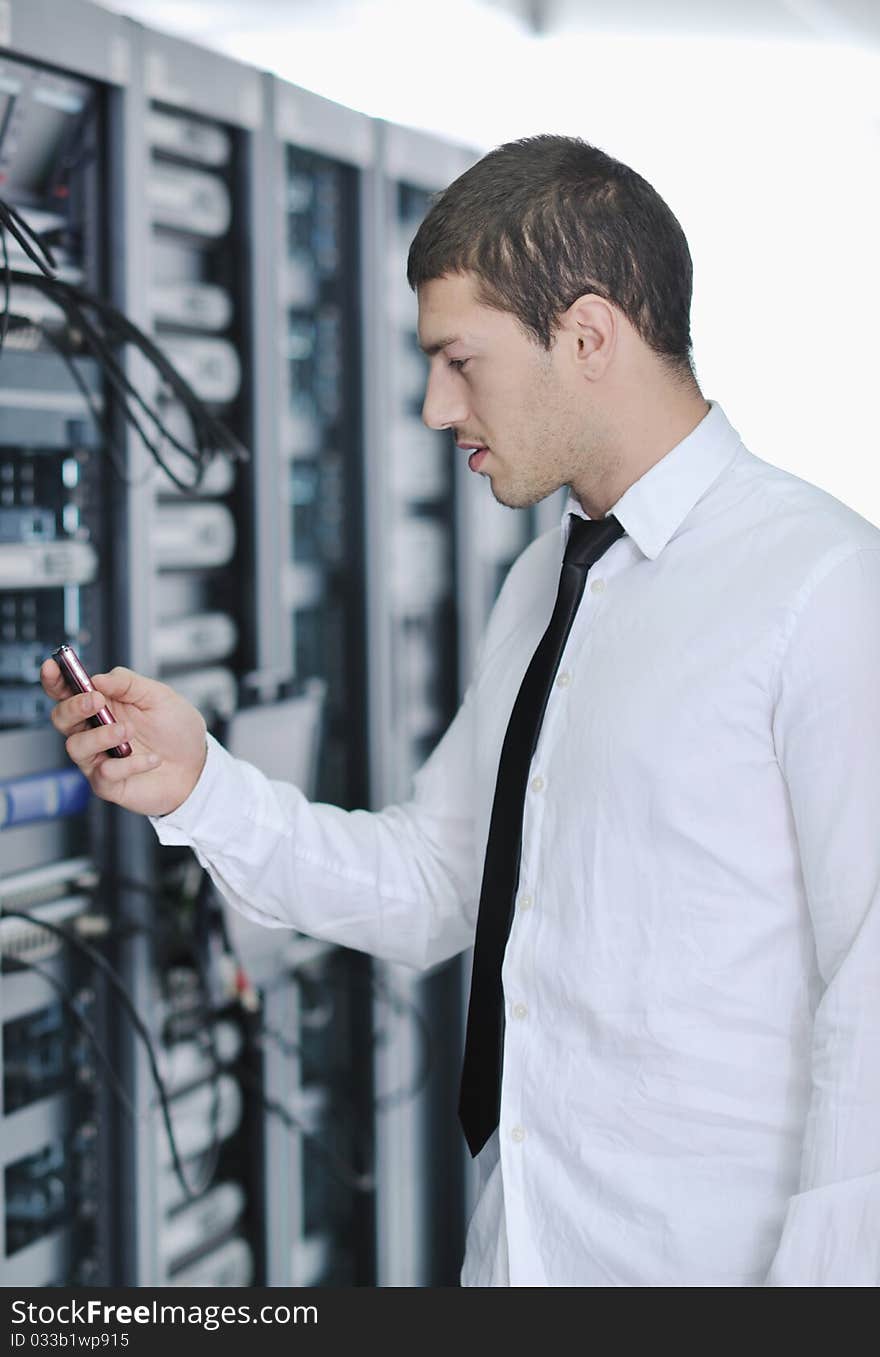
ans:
(431, 349)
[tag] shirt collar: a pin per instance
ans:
(654, 507)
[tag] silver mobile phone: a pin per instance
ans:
(75, 676)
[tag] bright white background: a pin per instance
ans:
(761, 131)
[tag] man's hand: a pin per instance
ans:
(166, 734)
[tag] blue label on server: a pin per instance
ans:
(43, 796)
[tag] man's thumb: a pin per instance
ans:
(126, 686)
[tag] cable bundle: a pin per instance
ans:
(101, 329)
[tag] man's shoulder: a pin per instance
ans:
(535, 569)
(803, 516)
(528, 590)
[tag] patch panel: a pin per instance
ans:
(43, 1053)
(49, 1189)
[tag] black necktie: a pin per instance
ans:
(480, 1101)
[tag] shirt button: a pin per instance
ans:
(597, 586)
(537, 783)
(518, 1134)
(525, 902)
(564, 679)
(520, 1011)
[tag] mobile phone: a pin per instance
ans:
(71, 667)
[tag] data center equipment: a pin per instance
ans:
(322, 155)
(282, 1112)
(52, 493)
(55, 585)
(192, 622)
(199, 310)
(312, 1026)
(414, 684)
(225, 569)
(53, 1117)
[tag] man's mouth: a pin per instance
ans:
(477, 457)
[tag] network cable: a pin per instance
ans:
(378, 987)
(100, 327)
(340, 1168)
(119, 988)
(13, 322)
(68, 1000)
(384, 992)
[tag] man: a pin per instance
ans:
(691, 1060)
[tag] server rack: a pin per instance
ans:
(318, 157)
(414, 680)
(225, 153)
(196, 566)
(60, 84)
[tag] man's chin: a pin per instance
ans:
(515, 497)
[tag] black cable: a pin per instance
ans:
(207, 1034)
(98, 415)
(379, 987)
(380, 990)
(15, 223)
(69, 1001)
(210, 433)
(119, 988)
(127, 332)
(124, 331)
(122, 387)
(339, 1167)
(343, 1171)
(78, 323)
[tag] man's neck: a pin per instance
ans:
(643, 439)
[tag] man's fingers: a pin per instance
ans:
(113, 773)
(71, 712)
(84, 746)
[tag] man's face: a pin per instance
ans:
(504, 397)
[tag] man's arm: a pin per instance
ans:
(827, 734)
(399, 884)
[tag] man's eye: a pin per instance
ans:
(458, 363)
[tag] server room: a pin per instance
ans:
(219, 470)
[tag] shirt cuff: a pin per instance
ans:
(205, 811)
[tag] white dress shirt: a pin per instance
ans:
(691, 1087)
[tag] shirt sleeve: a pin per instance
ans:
(827, 735)
(399, 884)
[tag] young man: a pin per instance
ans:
(691, 1081)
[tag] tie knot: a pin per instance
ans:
(588, 538)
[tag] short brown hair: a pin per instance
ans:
(543, 220)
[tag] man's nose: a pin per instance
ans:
(444, 406)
